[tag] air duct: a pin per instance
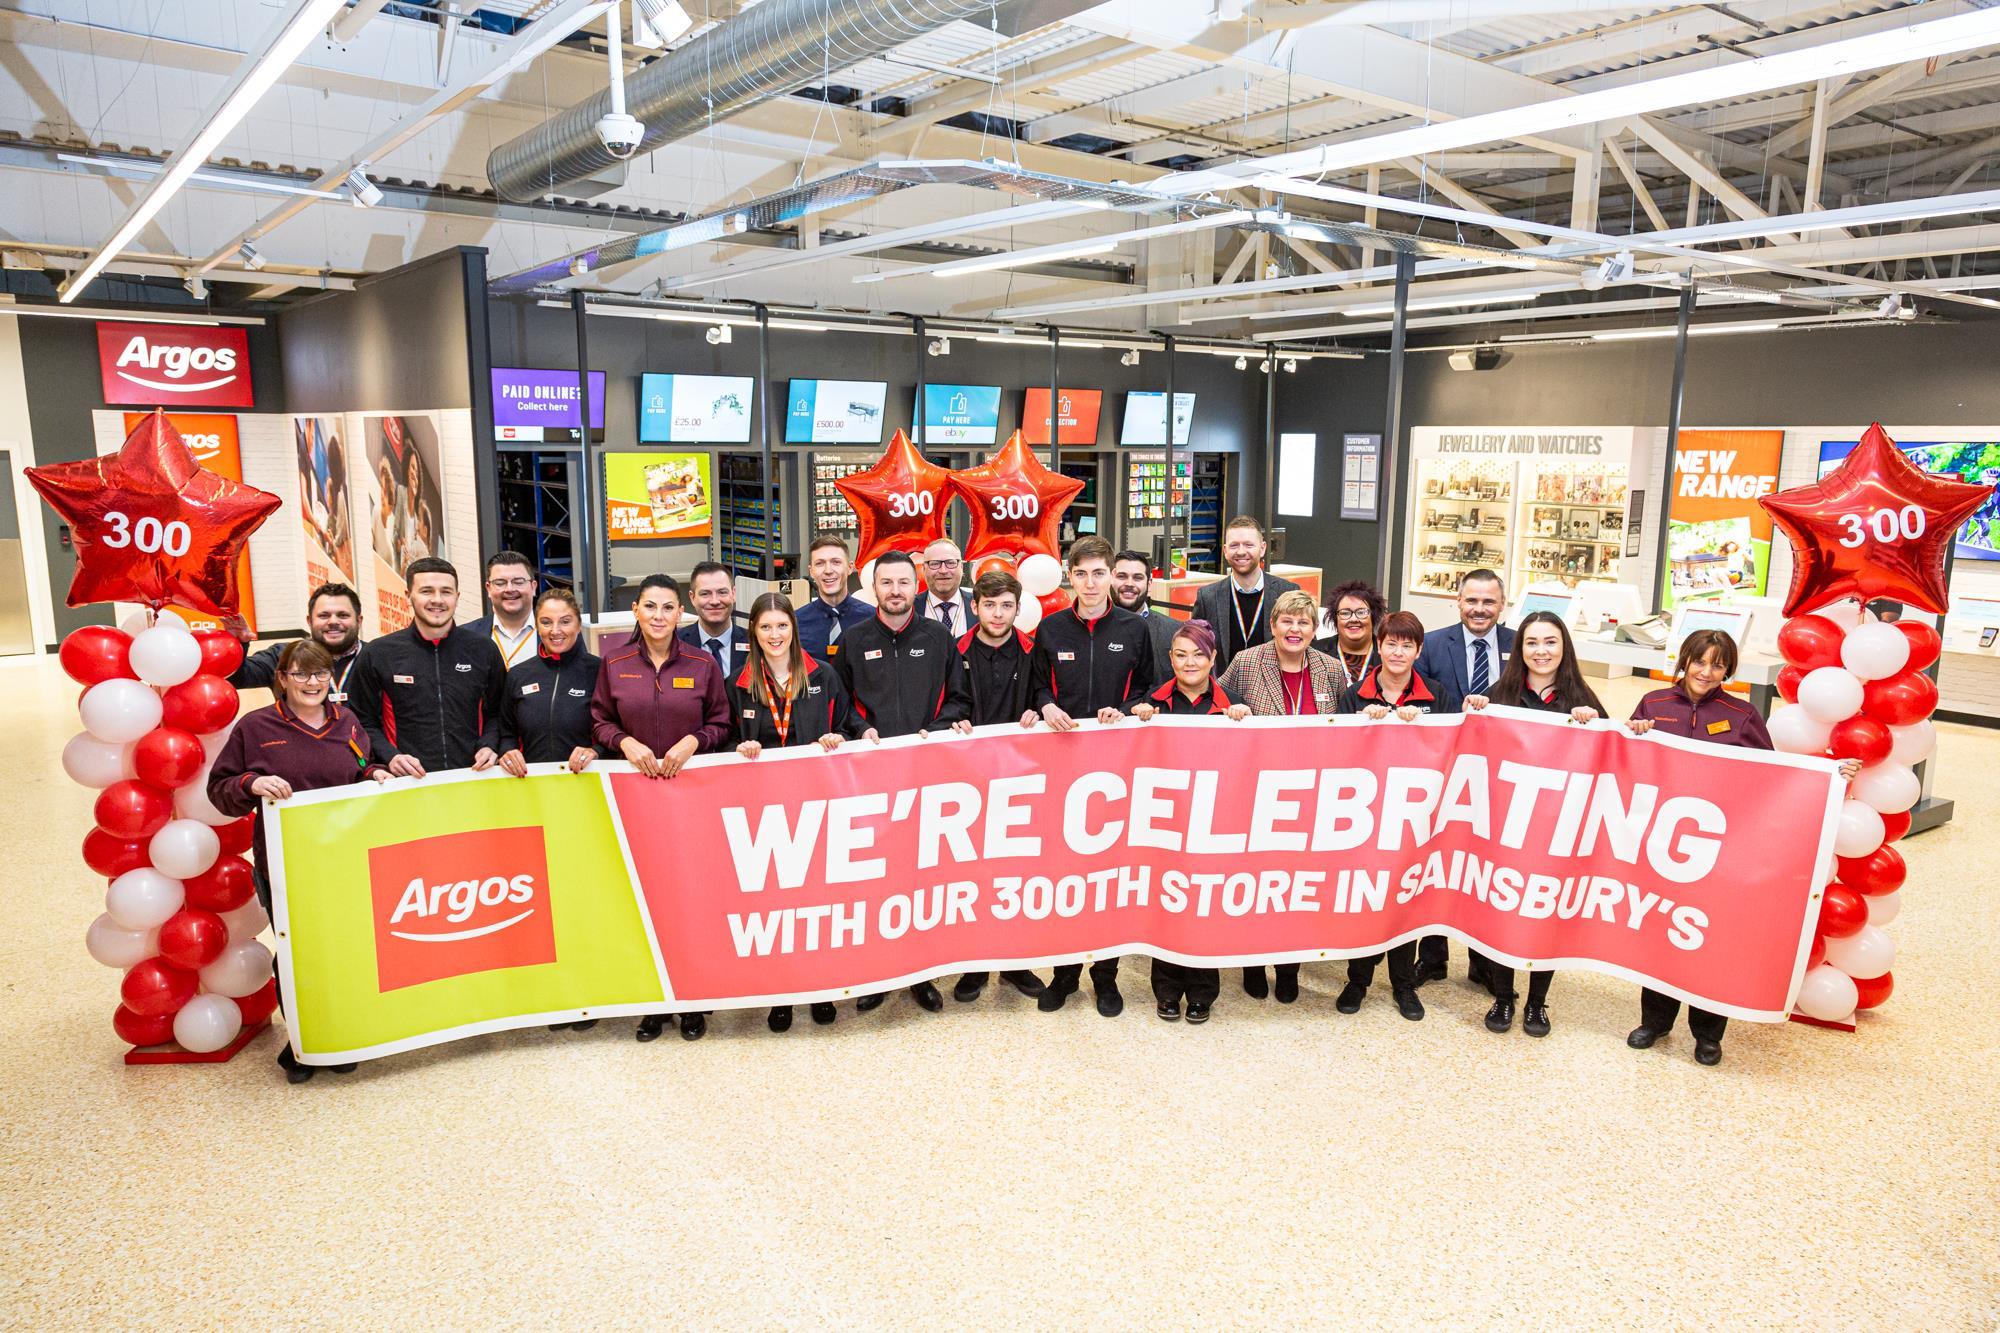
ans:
(764, 52)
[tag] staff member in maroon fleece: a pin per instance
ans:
(660, 702)
(301, 742)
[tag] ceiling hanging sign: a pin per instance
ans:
(174, 365)
(542, 404)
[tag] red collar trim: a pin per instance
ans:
(1371, 688)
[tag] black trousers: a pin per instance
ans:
(1282, 969)
(1402, 967)
(1176, 981)
(1103, 972)
(1434, 951)
(1658, 1012)
(1500, 980)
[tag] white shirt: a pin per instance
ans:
(1493, 661)
(727, 638)
(519, 647)
(955, 611)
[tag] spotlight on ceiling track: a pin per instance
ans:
(248, 254)
(1291, 365)
(1131, 357)
(1615, 269)
(196, 287)
(1243, 363)
(940, 347)
(1894, 307)
(361, 192)
(579, 267)
(655, 23)
(718, 335)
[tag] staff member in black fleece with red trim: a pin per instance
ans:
(430, 694)
(902, 673)
(1090, 658)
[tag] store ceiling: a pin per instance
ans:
(1161, 108)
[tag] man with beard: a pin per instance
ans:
(429, 695)
(1132, 590)
(333, 621)
(1240, 606)
(510, 589)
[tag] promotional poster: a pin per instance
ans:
(405, 506)
(1718, 536)
(323, 501)
(648, 496)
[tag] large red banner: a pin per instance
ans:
(802, 875)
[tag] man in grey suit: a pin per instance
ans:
(1132, 590)
(945, 599)
(1466, 657)
(1239, 607)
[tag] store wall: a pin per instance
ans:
(1337, 398)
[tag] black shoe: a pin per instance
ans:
(1197, 1013)
(1255, 984)
(1349, 1001)
(1641, 1038)
(968, 988)
(1501, 1016)
(867, 1002)
(584, 1026)
(343, 1069)
(1027, 983)
(823, 1012)
(1170, 1010)
(1707, 1052)
(692, 1026)
(294, 1071)
(650, 1027)
(781, 1018)
(927, 997)
(1286, 989)
(1409, 1006)
(1535, 1020)
(558, 1027)
(1427, 972)
(1052, 998)
(1109, 1002)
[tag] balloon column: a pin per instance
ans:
(180, 917)
(1879, 526)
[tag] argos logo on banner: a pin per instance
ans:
(460, 903)
(168, 365)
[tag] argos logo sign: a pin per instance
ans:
(167, 365)
(461, 903)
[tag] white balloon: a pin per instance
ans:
(1827, 993)
(184, 848)
(868, 578)
(1912, 744)
(1029, 616)
(139, 622)
(207, 1023)
(247, 922)
(119, 711)
(1860, 830)
(1830, 694)
(1795, 731)
(1873, 650)
(1864, 955)
(1884, 907)
(96, 763)
(191, 801)
(117, 946)
(242, 969)
(212, 744)
(1846, 613)
(1040, 575)
(165, 655)
(141, 899)
(1887, 786)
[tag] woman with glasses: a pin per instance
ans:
(1347, 626)
(301, 742)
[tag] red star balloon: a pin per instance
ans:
(152, 525)
(1877, 526)
(1016, 502)
(900, 502)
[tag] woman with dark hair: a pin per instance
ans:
(302, 741)
(782, 698)
(1349, 623)
(1542, 674)
(1190, 692)
(658, 703)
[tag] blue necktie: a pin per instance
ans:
(721, 663)
(1480, 677)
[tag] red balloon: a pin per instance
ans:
(192, 938)
(259, 1005)
(899, 503)
(1810, 642)
(202, 703)
(1841, 912)
(168, 757)
(1876, 526)
(113, 505)
(1925, 645)
(1859, 737)
(112, 857)
(1874, 990)
(142, 1029)
(238, 835)
(223, 887)
(221, 651)
(1788, 682)
(95, 653)
(1899, 700)
(154, 988)
(1817, 954)
(1881, 871)
(1895, 826)
(133, 809)
(1016, 502)
(1001, 563)
(1052, 602)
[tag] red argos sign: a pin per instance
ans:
(174, 365)
(460, 903)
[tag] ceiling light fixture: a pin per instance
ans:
(1049, 254)
(1131, 357)
(1420, 303)
(362, 192)
(248, 254)
(1242, 362)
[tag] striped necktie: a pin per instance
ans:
(1481, 679)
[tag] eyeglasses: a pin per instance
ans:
(510, 583)
(940, 564)
(1357, 616)
(310, 677)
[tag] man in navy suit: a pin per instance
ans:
(1467, 658)
(713, 590)
(945, 599)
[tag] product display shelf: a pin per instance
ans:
(744, 532)
(1204, 548)
(830, 511)
(1573, 526)
(1464, 521)
(535, 512)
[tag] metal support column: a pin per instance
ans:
(1187, 518)
(764, 441)
(1055, 396)
(589, 556)
(1389, 559)
(1660, 571)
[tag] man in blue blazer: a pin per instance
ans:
(1467, 658)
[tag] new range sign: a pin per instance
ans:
(174, 365)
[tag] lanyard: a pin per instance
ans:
(1295, 703)
(1256, 617)
(783, 720)
(339, 693)
(507, 655)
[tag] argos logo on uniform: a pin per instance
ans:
(169, 365)
(460, 903)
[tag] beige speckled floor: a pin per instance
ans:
(1281, 1164)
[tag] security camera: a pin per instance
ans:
(1131, 357)
(717, 335)
(620, 134)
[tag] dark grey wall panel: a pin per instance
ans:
(397, 342)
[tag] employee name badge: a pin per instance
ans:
(532, 687)
(683, 682)
(1065, 657)
(871, 655)
(1115, 647)
(749, 713)
(404, 680)
(337, 696)
(1717, 728)
(916, 652)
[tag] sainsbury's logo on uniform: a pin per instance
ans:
(174, 365)
(460, 903)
